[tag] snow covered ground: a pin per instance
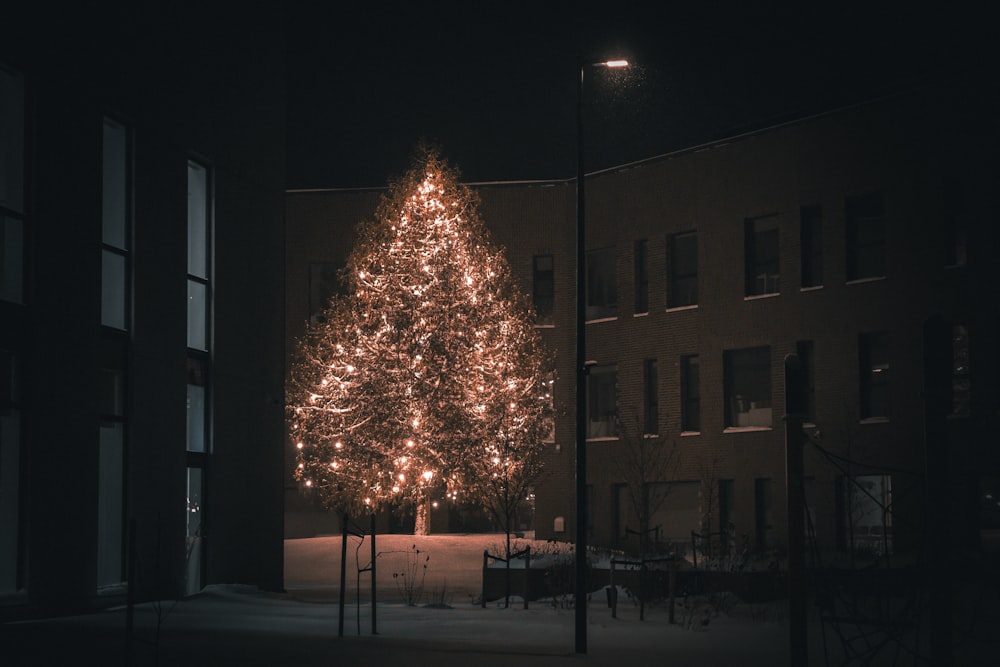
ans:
(233, 624)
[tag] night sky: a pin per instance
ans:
(495, 88)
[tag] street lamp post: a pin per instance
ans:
(580, 596)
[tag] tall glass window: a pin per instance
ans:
(115, 202)
(11, 186)
(199, 342)
(198, 257)
(10, 466)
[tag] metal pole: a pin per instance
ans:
(937, 537)
(343, 575)
(794, 416)
(374, 630)
(580, 597)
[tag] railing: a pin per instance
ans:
(526, 553)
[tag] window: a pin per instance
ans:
(811, 245)
(641, 268)
(690, 394)
(762, 496)
(763, 273)
(11, 186)
(324, 283)
(548, 392)
(650, 389)
(682, 277)
(11, 141)
(602, 295)
(198, 256)
(197, 406)
(111, 468)
(960, 378)
(726, 501)
(602, 402)
(804, 350)
(543, 289)
(115, 201)
(10, 467)
(863, 513)
(748, 387)
(675, 511)
(199, 429)
(873, 373)
(956, 245)
(865, 237)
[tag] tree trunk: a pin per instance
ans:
(423, 521)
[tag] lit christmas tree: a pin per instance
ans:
(427, 378)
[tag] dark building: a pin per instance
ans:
(836, 238)
(142, 154)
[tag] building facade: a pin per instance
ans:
(141, 300)
(835, 238)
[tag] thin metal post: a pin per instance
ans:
(343, 575)
(794, 440)
(580, 593)
(374, 630)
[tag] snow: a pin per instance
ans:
(235, 624)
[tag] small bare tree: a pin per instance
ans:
(646, 462)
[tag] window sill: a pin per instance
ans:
(650, 436)
(677, 309)
(874, 420)
(687, 434)
(746, 429)
(603, 319)
(811, 288)
(645, 314)
(604, 438)
(755, 297)
(949, 267)
(861, 281)
(959, 416)
(545, 326)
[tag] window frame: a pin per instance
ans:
(755, 260)
(682, 285)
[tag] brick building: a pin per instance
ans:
(834, 237)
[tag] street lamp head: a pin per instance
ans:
(615, 63)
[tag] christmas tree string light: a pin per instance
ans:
(426, 378)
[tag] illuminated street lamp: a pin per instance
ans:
(580, 601)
